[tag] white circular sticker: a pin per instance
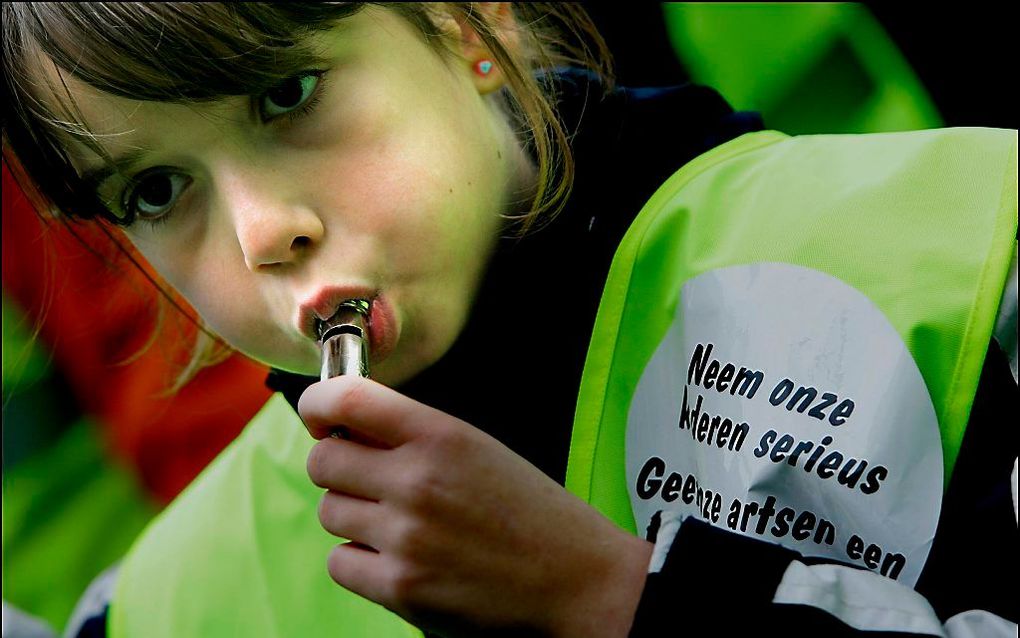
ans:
(782, 405)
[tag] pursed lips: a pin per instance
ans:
(323, 304)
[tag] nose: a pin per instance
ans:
(272, 227)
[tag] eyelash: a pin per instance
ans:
(305, 110)
(129, 195)
(310, 105)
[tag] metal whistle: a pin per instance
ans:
(344, 340)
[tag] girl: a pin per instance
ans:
(273, 161)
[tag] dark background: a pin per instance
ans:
(962, 56)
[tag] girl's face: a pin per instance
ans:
(380, 175)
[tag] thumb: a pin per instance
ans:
(367, 409)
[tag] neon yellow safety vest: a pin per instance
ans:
(241, 553)
(791, 337)
(776, 293)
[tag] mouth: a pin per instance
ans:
(323, 305)
(350, 317)
(331, 306)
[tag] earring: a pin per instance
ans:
(483, 67)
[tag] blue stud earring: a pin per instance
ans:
(483, 67)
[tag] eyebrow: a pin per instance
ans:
(96, 176)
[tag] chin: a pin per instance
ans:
(397, 369)
(391, 375)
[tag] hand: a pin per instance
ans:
(456, 533)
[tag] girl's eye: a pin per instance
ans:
(290, 95)
(154, 195)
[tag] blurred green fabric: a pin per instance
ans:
(69, 511)
(806, 67)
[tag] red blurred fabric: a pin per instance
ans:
(93, 318)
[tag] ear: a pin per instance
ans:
(475, 57)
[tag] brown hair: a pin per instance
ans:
(208, 51)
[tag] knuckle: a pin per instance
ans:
(317, 464)
(447, 443)
(336, 566)
(407, 580)
(325, 510)
(407, 537)
(425, 488)
(305, 401)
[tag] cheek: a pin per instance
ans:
(228, 308)
(425, 194)
(411, 170)
(211, 284)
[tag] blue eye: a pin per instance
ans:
(153, 196)
(296, 92)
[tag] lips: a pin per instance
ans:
(382, 327)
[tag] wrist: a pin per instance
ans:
(603, 604)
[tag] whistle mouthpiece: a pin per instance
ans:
(344, 340)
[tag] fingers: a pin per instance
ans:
(383, 414)
(349, 467)
(360, 570)
(353, 518)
